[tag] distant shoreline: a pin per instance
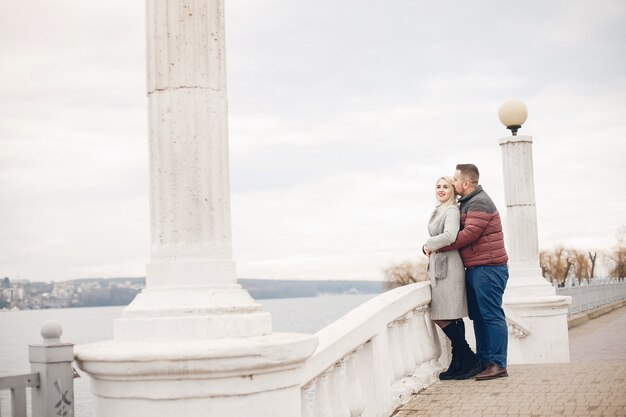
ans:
(266, 288)
(102, 292)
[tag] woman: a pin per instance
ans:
(447, 277)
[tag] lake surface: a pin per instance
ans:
(18, 329)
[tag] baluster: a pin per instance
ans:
(381, 384)
(368, 373)
(423, 372)
(353, 383)
(322, 404)
(425, 337)
(399, 388)
(418, 348)
(409, 380)
(427, 369)
(337, 385)
(394, 351)
(598, 301)
(407, 355)
(435, 340)
(18, 402)
(308, 399)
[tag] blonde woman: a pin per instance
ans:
(447, 277)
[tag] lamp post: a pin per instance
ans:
(530, 302)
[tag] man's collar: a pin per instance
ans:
(472, 194)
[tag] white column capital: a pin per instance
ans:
(516, 139)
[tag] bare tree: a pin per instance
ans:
(405, 273)
(544, 263)
(556, 265)
(618, 260)
(618, 256)
(581, 264)
(593, 255)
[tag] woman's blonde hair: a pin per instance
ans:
(439, 210)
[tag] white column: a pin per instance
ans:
(529, 299)
(189, 191)
(190, 280)
(194, 342)
(521, 218)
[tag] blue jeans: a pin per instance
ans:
(485, 287)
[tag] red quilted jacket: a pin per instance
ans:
(480, 240)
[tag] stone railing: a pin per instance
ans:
(588, 297)
(51, 380)
(516, 326)
(17, 384)
(374, 358)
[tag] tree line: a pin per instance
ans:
(562, 264)
(557, 265)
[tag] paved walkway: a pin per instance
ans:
(593, 384)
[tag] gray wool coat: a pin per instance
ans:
(445, 269)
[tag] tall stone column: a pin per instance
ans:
(194, 342)
(537, 317)
(190, 280)
(521, 218)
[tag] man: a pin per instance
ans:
(481, 244)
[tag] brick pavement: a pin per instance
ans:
(593, 384)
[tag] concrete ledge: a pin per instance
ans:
(581, 318)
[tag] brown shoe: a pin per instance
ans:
(493, 371)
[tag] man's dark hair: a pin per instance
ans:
(469, 171)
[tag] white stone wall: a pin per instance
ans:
(375, 357)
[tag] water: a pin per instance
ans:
(18, 329)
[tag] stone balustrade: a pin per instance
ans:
(594, 295)
(371, 360)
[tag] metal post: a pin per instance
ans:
(53, 361)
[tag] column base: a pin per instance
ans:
(223, 377)
(191, 314)
(527, 282)
(538, 330)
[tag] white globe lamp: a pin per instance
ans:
(513, 114)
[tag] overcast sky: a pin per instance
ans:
(342, 115)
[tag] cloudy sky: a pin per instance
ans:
(342, 114)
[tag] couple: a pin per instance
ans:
(468, 271)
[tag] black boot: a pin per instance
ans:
(468, 361)
(470, 365)
(453, 331)
(453, 368)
